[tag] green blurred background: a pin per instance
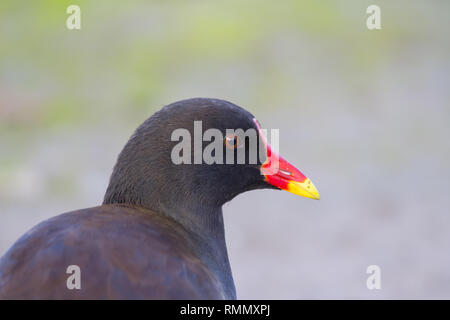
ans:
(365, 114)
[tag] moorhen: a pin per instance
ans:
(159, 233)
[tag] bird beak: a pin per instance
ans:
(283, 175)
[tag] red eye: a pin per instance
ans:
(231, 141)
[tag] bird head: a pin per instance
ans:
(200, 151)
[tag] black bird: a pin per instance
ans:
(159, 233)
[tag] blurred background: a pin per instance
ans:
(364, 114)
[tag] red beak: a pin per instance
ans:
(283, 175)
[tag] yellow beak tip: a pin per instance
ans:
(304, 189)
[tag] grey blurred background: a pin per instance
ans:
(364, 114)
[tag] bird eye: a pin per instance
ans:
(231, 141)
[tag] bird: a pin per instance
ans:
(159, 233)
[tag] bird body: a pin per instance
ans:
(123, 252)
(159, 233)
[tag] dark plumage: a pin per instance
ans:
(159, 233)
(124, 252)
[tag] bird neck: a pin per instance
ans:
(206, 226)
(204, 221)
